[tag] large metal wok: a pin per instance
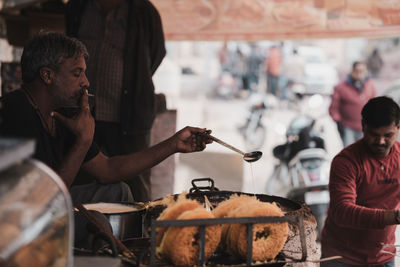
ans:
(215, 196)
(295, 213)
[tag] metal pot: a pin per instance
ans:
(215, 196)
(300, 238)
(126, 224)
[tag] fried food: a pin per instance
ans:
(268, 238)
(227, 206)
(232, 203)
(173, 211)
(181, 244)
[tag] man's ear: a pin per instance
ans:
(46, 74)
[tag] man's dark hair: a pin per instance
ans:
(380, 111)
(48, 49)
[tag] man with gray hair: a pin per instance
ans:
(53, 73)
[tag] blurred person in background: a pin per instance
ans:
(347, 100)
(294, 70)
(375, 63)
(254, 61)
(224, 58)
(239, 69)
(273, 66)
(125, 41)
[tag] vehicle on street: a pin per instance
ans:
(320, 75)
(302, 171)
(253, 130)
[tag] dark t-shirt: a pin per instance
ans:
(18, 118)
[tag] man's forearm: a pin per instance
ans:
(117, 168)
(125, 166)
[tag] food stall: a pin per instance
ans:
(223, 20)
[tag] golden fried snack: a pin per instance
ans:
(227, 206)
(181, 244)
(268, 238)
(173, 211)
(230, 204)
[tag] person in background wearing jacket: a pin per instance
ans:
(364, 187)
(126, 44)
(375, 63)
(348, 98)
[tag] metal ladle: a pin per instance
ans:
(249, 157)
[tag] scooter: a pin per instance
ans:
(303, 170)
(309, 172)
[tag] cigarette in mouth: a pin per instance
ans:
(83, 91)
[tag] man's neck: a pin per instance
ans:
(359, 85)
(40, 98)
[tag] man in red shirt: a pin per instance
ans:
(364, 188)
(348, 98)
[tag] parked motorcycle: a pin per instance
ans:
(303, 170)
(253, 130)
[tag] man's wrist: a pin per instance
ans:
(397, 216)
(391, 217)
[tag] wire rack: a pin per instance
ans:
(249, 221)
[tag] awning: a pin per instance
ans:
(254, 20)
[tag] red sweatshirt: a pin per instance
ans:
(361, 187)
(347, 103)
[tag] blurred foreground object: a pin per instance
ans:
(35, 210)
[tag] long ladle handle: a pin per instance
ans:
(225, 144)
